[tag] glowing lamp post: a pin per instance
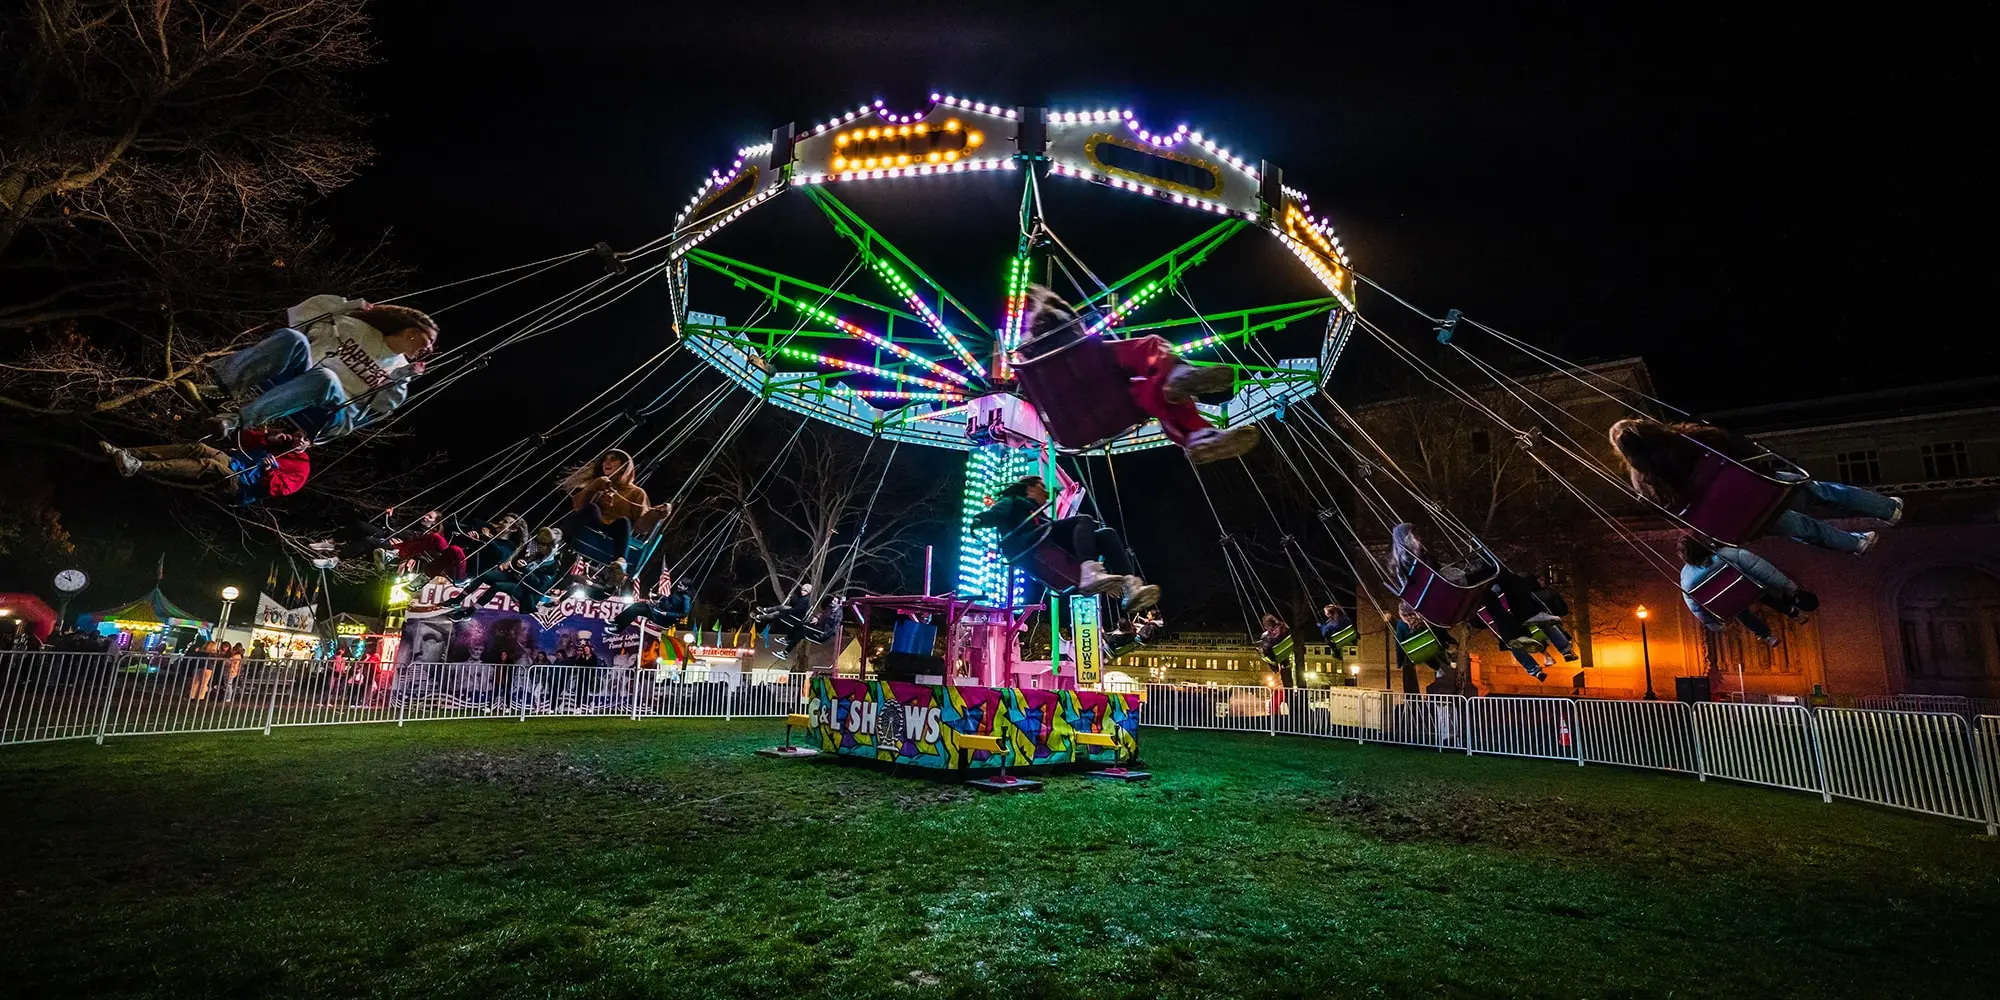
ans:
(229, 596)
(1646, 653)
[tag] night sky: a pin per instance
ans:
(1766, 207)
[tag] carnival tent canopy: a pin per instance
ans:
(152, 609)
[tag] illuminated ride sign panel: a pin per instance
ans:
(877, 146)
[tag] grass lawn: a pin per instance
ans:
(661, 859)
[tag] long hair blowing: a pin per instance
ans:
(581, 476)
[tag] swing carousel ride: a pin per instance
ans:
(868, 300)
(907, 355)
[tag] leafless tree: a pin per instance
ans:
(158, 161)
(819, 517)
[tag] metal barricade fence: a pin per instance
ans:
(1771, 745)
(1521, 727)
(1424, 720)
(1986, 762)
(1953, 703)
(53, 696)
(1920, 761)
(1933, 762)
(1653, 734)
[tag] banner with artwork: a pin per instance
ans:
(918, 724)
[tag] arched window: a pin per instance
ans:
(1948, 620)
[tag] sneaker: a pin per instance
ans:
(1771, 640)
(1140, 595)
(323, 545)
(223, 426)
(1526, 644)
(327, 562)
(1571, 657)
(1897, 517)
(1543, 618)
(1092, 579)
(1867, 542)
(1213, 444)
(1539, 674)
(128, 465)
(781, 654)
(1189, 381)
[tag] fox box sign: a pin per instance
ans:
(921, 724)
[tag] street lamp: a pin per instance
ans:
(229, 596)
(1646, 653)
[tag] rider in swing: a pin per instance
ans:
(1104, 564)
(1160, 383)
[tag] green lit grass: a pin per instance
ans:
(611, 858)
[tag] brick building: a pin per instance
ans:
(1918, 614)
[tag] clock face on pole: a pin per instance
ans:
(70, 581)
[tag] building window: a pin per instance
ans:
(1860, 468)
(1945, 460)
(1482, 443)
(1913, 654)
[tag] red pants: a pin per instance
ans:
(437, 556)
(1149, 362)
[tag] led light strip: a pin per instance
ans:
(896, 281)
(856, 366)
(934, 397)
(1017, 305)
(1064, 170)
(914, 170)
(710, 230)
(1146, 293)
(894, 348)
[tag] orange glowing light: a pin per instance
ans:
(1642, 612)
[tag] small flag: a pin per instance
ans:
(160, 575)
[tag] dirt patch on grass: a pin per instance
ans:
(1549, 823)
(532, 772)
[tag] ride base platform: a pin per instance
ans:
(945, 727)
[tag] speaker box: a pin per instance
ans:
(906, 666)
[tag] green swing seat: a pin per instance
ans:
(1422, 646)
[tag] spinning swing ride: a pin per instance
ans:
(911, 360)
(918, 353)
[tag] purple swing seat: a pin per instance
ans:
(1077, 388)
(1442, 602)
(1725, 593)
(1732, 503)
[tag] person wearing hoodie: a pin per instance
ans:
(671, 605)
(1699, 560)
(339, 364)
(262, 465)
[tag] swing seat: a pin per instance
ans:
(1440, 601)
(1725, 593)
(1281, 652)
(1344, 637)
(1053, 566)
(1494, 625)
(1421, 646)
(1078, 389)
(596, 547)
(1732, 503)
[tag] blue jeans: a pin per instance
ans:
(282, 361)
(1556, 635)
(1843, 501)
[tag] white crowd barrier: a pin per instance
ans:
(1941, 762)
(56, 696)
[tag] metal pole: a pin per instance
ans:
(271, 707)
(1819, 755)
(1388, 641)
(110, 687)
(1646, 651)
(927, 571)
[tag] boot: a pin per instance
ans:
(1189, 381)
(1213, 445)
(1092, 579)
(1140, 595)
